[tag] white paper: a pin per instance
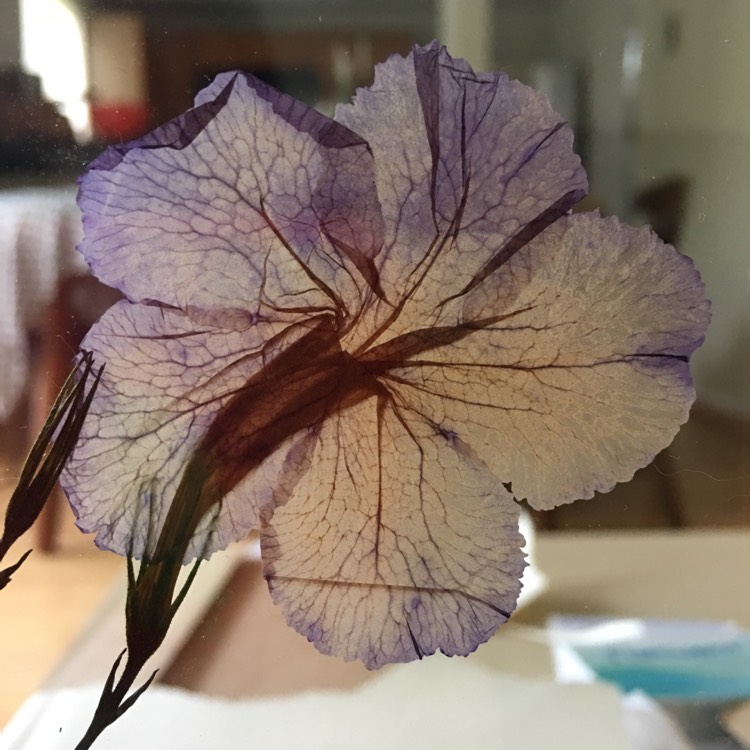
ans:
(435, 704)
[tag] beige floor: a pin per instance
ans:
(46, 605)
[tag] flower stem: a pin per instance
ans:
(151, 602)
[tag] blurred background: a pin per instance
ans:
(656, 91)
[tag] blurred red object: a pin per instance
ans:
(115, 122)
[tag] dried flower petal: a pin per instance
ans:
(468, 168)
(393, 557)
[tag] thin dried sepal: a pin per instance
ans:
(49, 453)
(6, 575)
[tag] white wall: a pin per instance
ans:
(704, 83)
(465, 28)
(523, 34)
(694, 120)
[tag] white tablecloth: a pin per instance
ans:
(39, 230)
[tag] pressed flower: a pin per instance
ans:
(355, 334)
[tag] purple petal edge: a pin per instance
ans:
(178, 133)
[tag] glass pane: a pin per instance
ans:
(656, 94)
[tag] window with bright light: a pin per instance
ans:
(52, 45)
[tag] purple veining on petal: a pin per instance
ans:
(481, 165)
(165, 385)
(281, 220)
(393, 581)
(446, 83)
(569, 369)
(327, 203)
(325, 131)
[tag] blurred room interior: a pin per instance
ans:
(655, 90)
